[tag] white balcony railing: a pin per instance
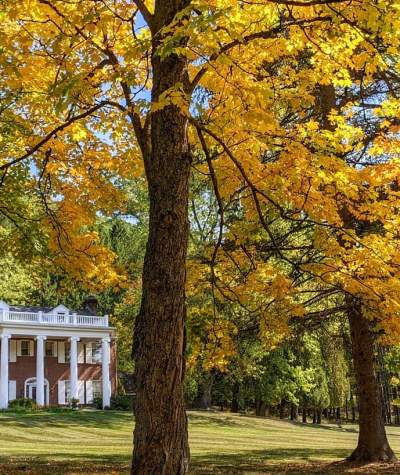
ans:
(54, 319)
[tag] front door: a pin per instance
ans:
(31, 391)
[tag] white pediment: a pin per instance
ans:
(60, 309)
(4, 306)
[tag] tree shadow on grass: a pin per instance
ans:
(65, 464)
(208, 420)
(95, 419)
(330, 427)
(257, 462)
(285, 461)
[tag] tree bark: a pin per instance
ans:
(304, 415)
(372, 445)
(203, 400)
(160, 437)
(261, 408)
(235, 397)
(282, 409)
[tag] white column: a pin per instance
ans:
(105, 360)
(40, 369)
(4, 372)
(74, 367)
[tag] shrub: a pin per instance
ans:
(121, 402)
(23, 404)
(97, 402)
(74, 403)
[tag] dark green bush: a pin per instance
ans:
(74, 403)
(121, 402)
(22, 403)
(98, 402)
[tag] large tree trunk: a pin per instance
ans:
(160, 438)
(372, 445)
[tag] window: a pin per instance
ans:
(25, 348)
(50, 348)
(97, 389)
(96, 352)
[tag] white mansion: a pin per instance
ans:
(54, 355)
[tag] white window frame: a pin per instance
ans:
(96, 352)
(53, 348)
(97, 392)
(31, 347)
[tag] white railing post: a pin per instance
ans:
(106, 320)
(74, 319)
(40, 316)
(1, 314)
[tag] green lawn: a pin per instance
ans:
(100, 443)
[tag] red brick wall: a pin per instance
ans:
(25, 367)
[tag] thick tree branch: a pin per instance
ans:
(144, 11)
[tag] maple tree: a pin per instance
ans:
(107, 89)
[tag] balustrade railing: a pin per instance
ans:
(54, 318)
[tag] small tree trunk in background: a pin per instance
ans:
(282, 409)
(338, 414)
(235, 397)
(314, 419)
(203, 400)
(319, 416)
(261, 408)
(294, 412)
(372, 445)
(160, 438)
(304, 415)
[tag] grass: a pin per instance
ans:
(96, 442)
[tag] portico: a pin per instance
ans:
(66, 357)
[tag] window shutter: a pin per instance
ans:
(31, 347)
(12, 390)
(81, 352)
(61, 392)
(89, 353)
(81, 392)
(61, 354)
(89, 392)
(13, 351)
(54, 348)
(18, 347)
